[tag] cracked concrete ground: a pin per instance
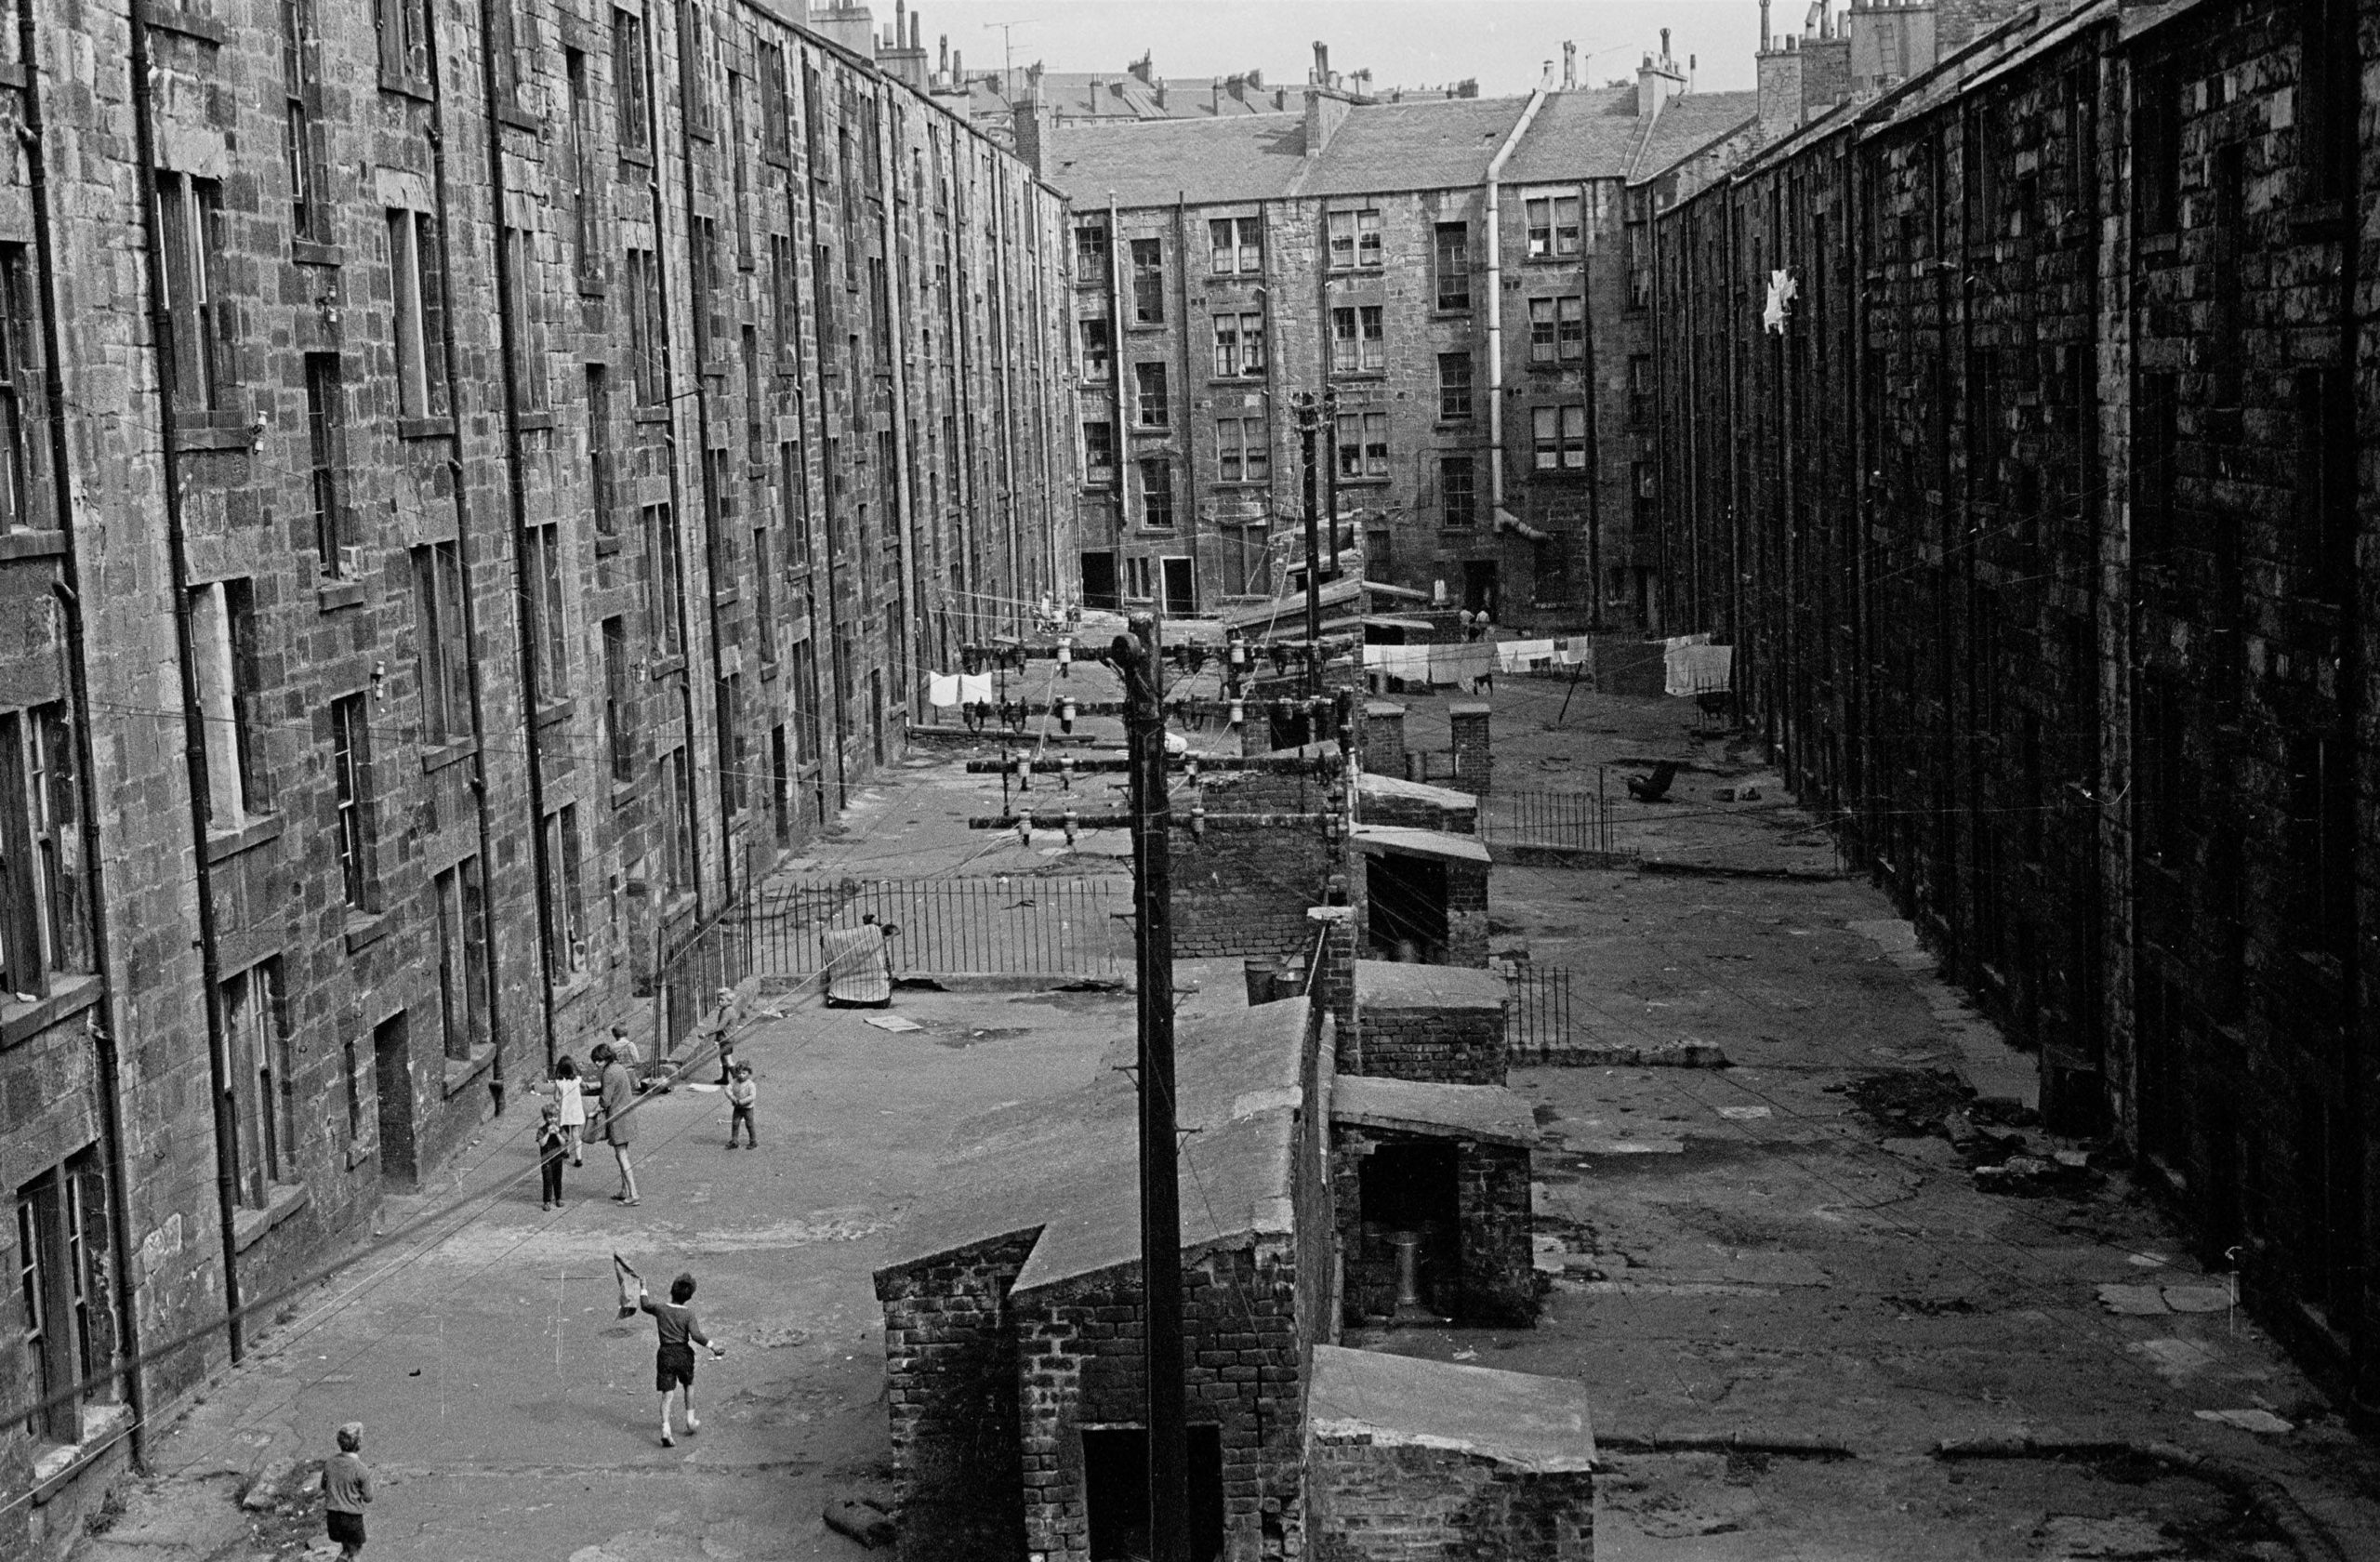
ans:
(1737, 1251)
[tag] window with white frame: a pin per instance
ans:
(1240, 345)
(1363, 444)
(1354, 239)
(566, 954)
(1358, 339)
(1560, 438)
(1552, 226)
(1236, 245)
(1243, 450)
(351, 795)
(1454, 386)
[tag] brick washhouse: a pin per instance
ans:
(2037, 507)
(469, 502)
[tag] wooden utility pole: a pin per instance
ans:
(1137, 656)
(1309, 415)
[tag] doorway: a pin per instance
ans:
(1408, 906)
(876, 714)
(392, 1077)
(1412, 1188)
(1099, 581)
(1181, 594)
(1479, 586)
(1116, 1491)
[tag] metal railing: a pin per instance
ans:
(1580, 821)
(1009, 926)
(1539, 1023)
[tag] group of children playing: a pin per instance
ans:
(564, 1127)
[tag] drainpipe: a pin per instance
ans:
(1587, 378)
(475, 679)
(1119, 427)
(697, 295)
(1008, 403)
(67, 590)
(186, 669)
(516, 488)
(904, 493)
(838, 706)
(1496, 306)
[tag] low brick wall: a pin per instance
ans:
(1245, 892)
(950, 1378)
(1451, 1046)
(1375, 1503)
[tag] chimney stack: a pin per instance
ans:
(1215, 88)
(1321, 63)
(1570, 62)
(945, 56)
(1764, 26)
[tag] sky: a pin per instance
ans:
(1405, 43)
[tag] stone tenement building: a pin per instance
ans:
(2039, 521)
(1469, 275)
(468, 503)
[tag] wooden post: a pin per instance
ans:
(1137, 656)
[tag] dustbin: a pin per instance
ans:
(1263, 974)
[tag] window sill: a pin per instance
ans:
(769, 668)
(650, 414)
(68, 996)
(630, 158)
(332, 595)
(206, 438)
(625, 792)
(32, 545)
(2167, 243)
(362, 1151)
(364, 929)
(663, 667)
(415, 87)
(1371, 269)
(555, 713)
(727, 596)
(606, 546)
(1237, 382)
(283, 1201)
(1145, 329)
(1454, 425)
(461, 1071)
(425, 428)
(2318, 221)
(440, 756)
(224, 844)
(62, 1461)
(1377, 481)
(1451, 311)
(1344, 375)
(1152, 431)
(592, 287)
(520, 118)
(532, 422)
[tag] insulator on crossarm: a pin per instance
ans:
(1066, 772)
(1065, 659)
(1066, 714)
(1239, 652)
(1199, 822)
(1024, 773)
(1073, 820)
(1024, 829)
(1238, 713)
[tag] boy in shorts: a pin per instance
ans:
(346, 1486)
(673, 1362)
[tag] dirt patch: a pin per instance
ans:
(1906, 1103)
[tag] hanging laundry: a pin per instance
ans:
(975, 687)
(1462, 664)
(1782, 290)
(1516, 656)
(942, 689)
(1675, 678)
(1709, 669)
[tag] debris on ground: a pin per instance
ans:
(2250, 1421)
(860, 1520)
(892, 1023)
(1934, 1103)
(1674, 1054)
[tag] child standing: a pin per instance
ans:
(739, 1097)
(346, 1486)
(553, 1143)
(673, 1361)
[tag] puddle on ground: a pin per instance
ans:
(960, 1040)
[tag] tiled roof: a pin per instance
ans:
(1429, 144)
(1151, 163)
(1589, 134)
(1686, 125)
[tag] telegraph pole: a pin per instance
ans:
(1137, 656)
(1310, 413)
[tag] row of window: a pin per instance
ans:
(1558, 442)
(1557, 333)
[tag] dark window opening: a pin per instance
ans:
(1407, 1193)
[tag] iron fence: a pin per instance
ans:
(1580, 821)
(1007, 926)
(1539, 1023)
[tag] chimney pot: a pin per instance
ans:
(1665, 46)
(1321, 62)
